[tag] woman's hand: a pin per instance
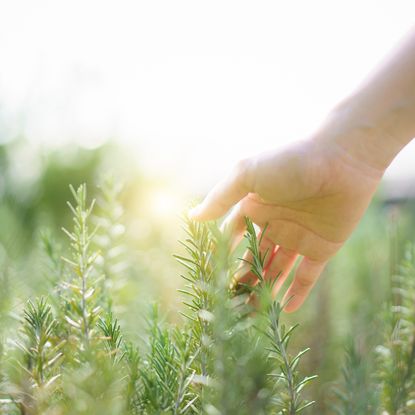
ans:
(310, 195)
(313, 193)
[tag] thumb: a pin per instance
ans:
(226, 193)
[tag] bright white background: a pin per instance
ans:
(189, 86)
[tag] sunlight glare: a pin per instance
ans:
(164, 203)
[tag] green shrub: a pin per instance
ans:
(70, 356)
(383, 381)
(224, 356)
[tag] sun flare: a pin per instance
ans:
(164, 203)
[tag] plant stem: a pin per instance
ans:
(287, 366)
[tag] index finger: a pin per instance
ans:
(305, 277)
(225, 194)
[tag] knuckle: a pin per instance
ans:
(243, 173)
(241, 167)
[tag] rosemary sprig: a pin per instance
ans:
(82, 306)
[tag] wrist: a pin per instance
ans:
(363, 137)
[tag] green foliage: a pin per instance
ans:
(358, 393)
(198, 288)
(113, 338)
(287, 391)
(233, 336)
(397, 356)
(40, 352)
(36, 365)
(237, 348)
(233, 353)
(387, 385)
(109, 240)
(166, 374)
(289, 400)
(82, 308)
(215, 362)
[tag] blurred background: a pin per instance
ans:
(166, 96)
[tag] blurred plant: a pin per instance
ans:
(82, 308)
(5, 301)
(391, 390)
(112, 261)
(113, 338)
(36, 366)
(235, 351)
(397, 356)
(54, 266)
(357, 394)
(41, 353)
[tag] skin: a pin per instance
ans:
(313, 193)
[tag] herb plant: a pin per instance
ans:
(72, 357)
(230, 351)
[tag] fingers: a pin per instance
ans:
(225, 194)
(305, 277)
(280, 267)
(234, 226)
(267, 250)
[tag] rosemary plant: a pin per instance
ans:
(397, 356)
(198, 264)
(113, 338)
(238, 350)
(357, 393)
(112, 261)
(4, 304)
(73, 358)
(287, 397)
(133, 390)
(82, 308)
(40, 348)
(289, 400)
(166, 374)
(36, 370)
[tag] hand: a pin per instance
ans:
(311, 195)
